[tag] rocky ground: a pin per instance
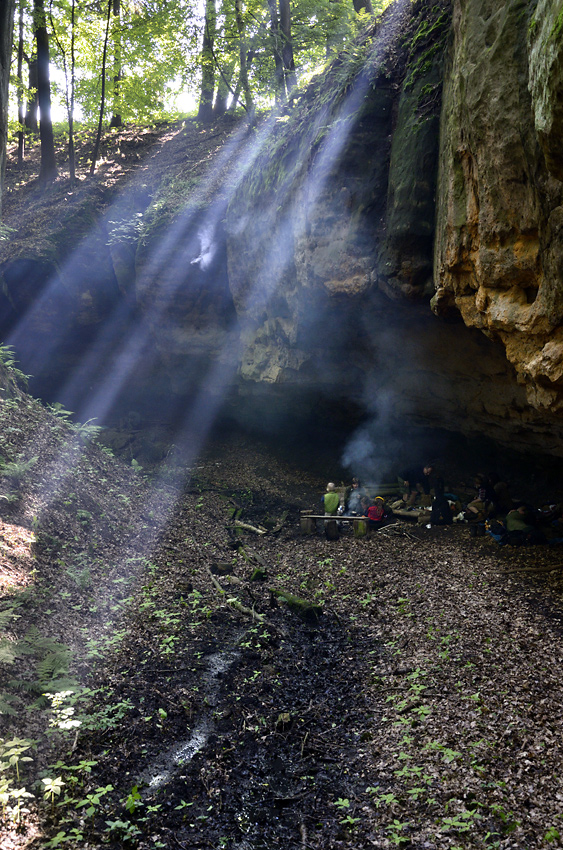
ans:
(416, 702)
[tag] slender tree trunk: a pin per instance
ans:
(21, 112)
(279, 78)
(205, 111)
(69, 85)
(242, 55)
(103, 94)
(223, 91)
(116, 120)
(48, 169)
(32, 103)
(287, 45)
(250, 56)
(7, 11)
(71, 157)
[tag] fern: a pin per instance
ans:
(6, 616)
(87, 431)
(8, 652)
(52, 666)
(6, 706)
(58, 410)
(17, 376)
(16, 470)
(36, 642)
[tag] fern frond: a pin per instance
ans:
(8, 652)
(6, 616)
(25, 685)
(53, 665)
(56, 686)
(6, 706)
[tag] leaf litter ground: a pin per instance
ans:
(423, 708)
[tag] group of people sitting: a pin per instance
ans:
(491, 508)
(509, 521)
(356, 502)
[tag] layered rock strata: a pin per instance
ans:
(499, 245)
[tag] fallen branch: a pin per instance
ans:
(396, 528)
(234, 603)
(248, 527)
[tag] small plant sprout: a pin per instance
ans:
(134, 800)
(92, 801)
(11, 754)
(19, 795)
(52, 788)
(395, 829)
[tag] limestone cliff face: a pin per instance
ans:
(390, 243)
(368, 221)
(499, 246)
(339, 206)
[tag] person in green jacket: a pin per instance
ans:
(520, 527)
(331, 500)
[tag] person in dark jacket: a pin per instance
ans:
(353, 497)
(414, 481)
(441, 513)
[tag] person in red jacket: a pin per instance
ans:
(376, 513)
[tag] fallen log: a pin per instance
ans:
(248, 527)
(308, 611)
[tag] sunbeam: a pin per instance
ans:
(125, 344)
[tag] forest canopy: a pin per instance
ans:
(106, 62)
(157, 49)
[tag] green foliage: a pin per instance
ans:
(7, 358)
(153, 46)
(11, 754)
(154, 53)
(58, 410)
(16, 470)
(552, 834)
(5, 235)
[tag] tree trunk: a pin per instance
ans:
(116, 120)
(223, 92)
(48, 169)
(7, 10)
(21, 113)
(359, 5)
(279, 78)
(242, 55)
(71, 158)
(205, 112)
(287, 45)
(32, 103)
(103, 94)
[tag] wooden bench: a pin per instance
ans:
(308, 522)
